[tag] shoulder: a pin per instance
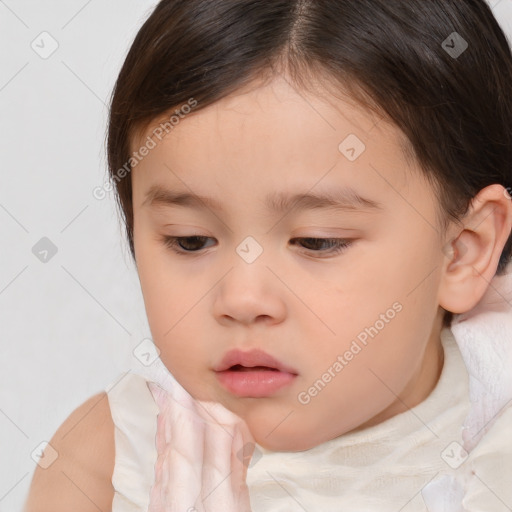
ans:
(80, 477)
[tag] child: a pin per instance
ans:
(312, 192)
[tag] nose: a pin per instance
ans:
(247, 294)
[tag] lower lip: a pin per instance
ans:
(254, 384)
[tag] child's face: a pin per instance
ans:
(360, 327)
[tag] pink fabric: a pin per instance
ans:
(203, 452)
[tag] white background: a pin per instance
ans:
(69, 325)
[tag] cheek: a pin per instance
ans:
(171, 306)
(165, 296)
(370, 381)
(382, 328)
(160, 284)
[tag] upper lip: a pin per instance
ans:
(254, 357)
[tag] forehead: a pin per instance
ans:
(275, 136)
(313, 98)
(323, 101)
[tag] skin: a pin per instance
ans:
(302, 306)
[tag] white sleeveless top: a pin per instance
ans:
(382, 468)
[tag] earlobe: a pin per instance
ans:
(473, 252)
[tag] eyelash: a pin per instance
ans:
(171, 242)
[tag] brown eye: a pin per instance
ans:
(335, 245)
(184, 244)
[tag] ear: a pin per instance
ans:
(473, 253)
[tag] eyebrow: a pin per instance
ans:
(344, 199)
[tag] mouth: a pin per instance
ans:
(241, 368)
(256, 358)
(253, 374)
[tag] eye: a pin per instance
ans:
(184, 245)
(336, 245)
(176, 242)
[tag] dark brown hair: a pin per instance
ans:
(396, 57)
